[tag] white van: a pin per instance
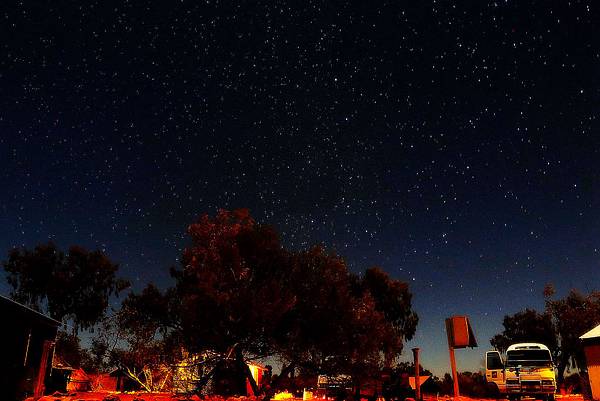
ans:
(527, 371)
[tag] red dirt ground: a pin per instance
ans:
(572, 397)
(140, 396)
(111, 396)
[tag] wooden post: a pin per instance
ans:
(41, 377)
(454, 372)
(417, 374)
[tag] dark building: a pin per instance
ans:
(27, 352)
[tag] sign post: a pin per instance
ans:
(460, 335)
(454, 372)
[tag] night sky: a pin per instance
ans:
(454, 144)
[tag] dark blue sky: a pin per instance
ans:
(453, 144)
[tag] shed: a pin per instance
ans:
(29, 338)
(591, 346)
(115, 380)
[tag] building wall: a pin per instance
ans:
(24, 334)
(592, 356)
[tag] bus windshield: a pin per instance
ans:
(529, 357)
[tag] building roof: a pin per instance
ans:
(7, 303)
(593, 333)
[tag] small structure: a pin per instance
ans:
(115, 380)
(591, 346)
(78, 381)
(208, 368)
(29, 338)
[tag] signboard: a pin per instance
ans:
(460, 333)
(422, 379)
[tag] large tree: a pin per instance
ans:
(342, 323)
(572, 315)
(241, 295)
(232, 286)
(74, 287)
(310, 334)
(527, 326)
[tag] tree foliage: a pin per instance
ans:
(68, 349)
(138, 339)
(148, 316)
(232, 286)
(240, 294)
(72, 287)
(394, 300)
(573, 315)
(342, 323)
(527, 326)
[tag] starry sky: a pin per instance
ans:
(454, 144)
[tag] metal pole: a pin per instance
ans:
(417, 374)
(454, 373)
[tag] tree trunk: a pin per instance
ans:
(561, 372)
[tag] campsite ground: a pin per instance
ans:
(140, 396)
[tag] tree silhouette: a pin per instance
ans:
(233, 287)
(527, 326)
(394, 300)
(241, 295)
(75, 287)
(573, 315)
(138, 339)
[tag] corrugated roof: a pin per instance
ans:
(593, 333)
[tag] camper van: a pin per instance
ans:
(527, 370)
